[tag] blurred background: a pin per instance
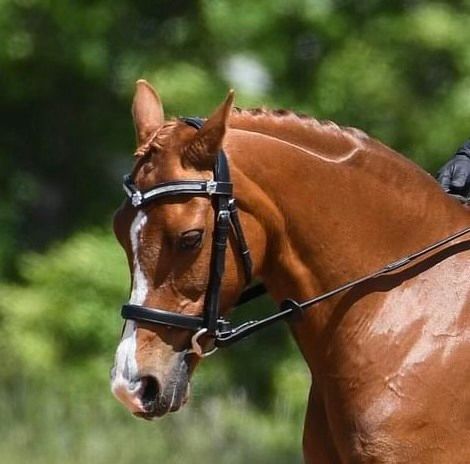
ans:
(399, 70)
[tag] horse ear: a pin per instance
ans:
(147, 111)
(207, 142)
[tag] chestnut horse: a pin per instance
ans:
(319, 205)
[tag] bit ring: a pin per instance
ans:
(196, 347)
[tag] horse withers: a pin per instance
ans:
(319, 206)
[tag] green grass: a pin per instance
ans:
(57, 423)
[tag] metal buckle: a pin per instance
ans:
(196, 347)
(136, 199)
(211, 187)
(224, 215)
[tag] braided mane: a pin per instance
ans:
(324, 137)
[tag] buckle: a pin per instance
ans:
(223, 216)
(211, 187)
(136, 199)
(223, 326)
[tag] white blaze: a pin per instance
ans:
(125, 365)
(139, 284)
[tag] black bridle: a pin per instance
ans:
(220, 189)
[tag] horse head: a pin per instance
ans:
(168, 245)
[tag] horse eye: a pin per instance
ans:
(190, 239)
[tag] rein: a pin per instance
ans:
(220, 189)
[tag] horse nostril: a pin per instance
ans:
(149, 391)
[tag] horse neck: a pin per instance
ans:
(332, 216)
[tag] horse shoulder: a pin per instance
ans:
(397, 372)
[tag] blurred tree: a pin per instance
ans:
(396, 69)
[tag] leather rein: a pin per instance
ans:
(211, 324)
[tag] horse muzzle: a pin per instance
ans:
(149, 396)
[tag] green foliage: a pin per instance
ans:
(58, 332)
(64, 310)
(395, 69)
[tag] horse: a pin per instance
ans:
(319, 205)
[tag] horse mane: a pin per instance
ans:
(305, 120)
(322, 137)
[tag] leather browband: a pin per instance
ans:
(180, 187)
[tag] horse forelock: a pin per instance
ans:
(157, 139)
